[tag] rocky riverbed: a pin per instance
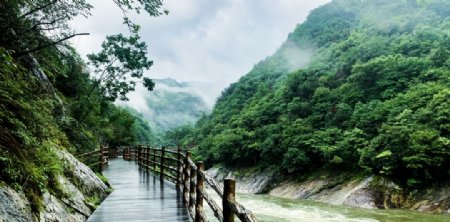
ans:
(371, 192)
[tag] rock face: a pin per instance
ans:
(14, 207)
(365, 192)
(56, 210)
(82, 176)
(80, 187)
(251, 181)
(352, 193)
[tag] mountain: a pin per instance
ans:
(361, 85)
(172, 104)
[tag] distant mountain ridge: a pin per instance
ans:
(208, 91)
(173, 103)
(171, 82)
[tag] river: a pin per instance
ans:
(273, 209)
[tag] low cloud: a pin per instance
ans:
(207, 41)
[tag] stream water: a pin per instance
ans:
(272, 209)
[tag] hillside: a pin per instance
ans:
(171, 104)
(361, 86)
(53, 108)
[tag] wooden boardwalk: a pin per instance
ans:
(138, 196)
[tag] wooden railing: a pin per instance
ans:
(129, 154)
(97, 158)
(178, 167)
(113, 153)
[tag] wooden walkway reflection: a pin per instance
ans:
(138, 196)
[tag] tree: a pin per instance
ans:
(178, 136)
(31, 26)
(122, 60)
(120, 63)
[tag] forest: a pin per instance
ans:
(359, 85)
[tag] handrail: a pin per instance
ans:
(190, 178)
(87, 154)
(102, 154)
(129, 153)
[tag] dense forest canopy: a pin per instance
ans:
(369, 89)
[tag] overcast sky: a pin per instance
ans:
(201, 40)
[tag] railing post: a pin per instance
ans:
(148, 158)
(178, 168)
(192, 188)
(199, 189)
(229, 192)
(186, 178)
(142, 155)
(154, 160)
(161, 168)
(138, 154)
(105, 156)
(144, 158)
(101, 158)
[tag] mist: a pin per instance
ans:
(206, 44)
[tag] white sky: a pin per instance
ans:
(201, 40)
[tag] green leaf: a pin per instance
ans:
(386, 153)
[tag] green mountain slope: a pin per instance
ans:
(171, 104)
(49, 105)
(362, 84)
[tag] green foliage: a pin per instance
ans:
(34, 26)
(62, 107)
(120, 63)
(374, 96)
(25, 22)
(142, 131)
(34, 124)
(179, 136)
(29, 133)
(103, 178)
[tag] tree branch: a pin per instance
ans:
(38, 9)
(117, 2)
(47, 23)
(48, 29)
(18, 54)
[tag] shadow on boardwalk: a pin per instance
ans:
(138, 196)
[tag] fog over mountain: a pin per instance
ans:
(174, 103)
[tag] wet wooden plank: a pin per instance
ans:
(138, 196)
